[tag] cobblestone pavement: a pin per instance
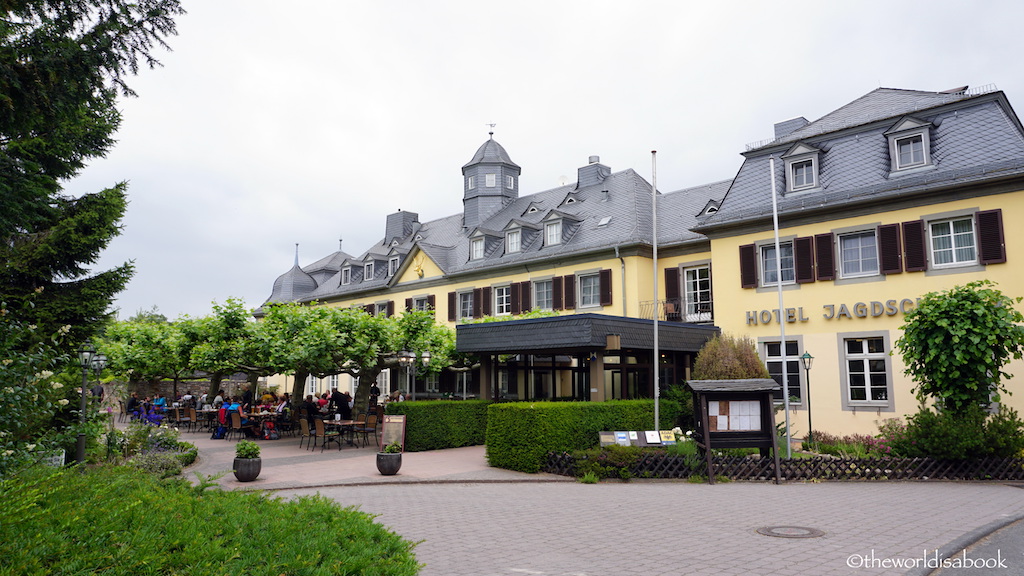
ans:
(474, 520)
(648, 528)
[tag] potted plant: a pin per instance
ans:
(247, 460)
(389, 460)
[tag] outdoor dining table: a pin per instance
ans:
(346, 427)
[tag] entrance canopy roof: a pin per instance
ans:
(578, 332)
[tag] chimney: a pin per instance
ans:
(786, 128)
(399, 225)
(593, 173)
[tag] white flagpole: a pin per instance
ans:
(781, 317)
(654, 259)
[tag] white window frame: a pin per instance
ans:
(392, 265)
(513, 241)
(794, 371)
(876, 363)
(367, 271)
(421, 303)
(956, 241)
(588, 290)
(465, 304)
(346, 275)
(470, 182)
(332, 381)
(312, 385)
(476, 249)
(553, 233)
(915, 130)
(768, 268)
(380, 309)
(502, 300)
(490, 180)
(863, 260)
(697, 295)
(546, 287)
(792, 185)
(510, 182)
(917, 157)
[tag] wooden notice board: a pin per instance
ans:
(392, 430)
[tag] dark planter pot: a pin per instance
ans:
(247, 469)
(388, 464)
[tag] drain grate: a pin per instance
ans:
(790, 532)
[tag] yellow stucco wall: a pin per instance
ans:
(870, 302)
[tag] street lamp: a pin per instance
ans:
(409, 360)
(86, 353)
(807, 359)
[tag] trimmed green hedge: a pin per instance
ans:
(439, 424)
(520, 434)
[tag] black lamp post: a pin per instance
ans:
(86, 353)
(409, 360)
(807, 359)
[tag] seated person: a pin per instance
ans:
(311, 407)
(134, 406)
(160, 404)
(248, 426)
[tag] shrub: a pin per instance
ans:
(725, 357)
(118, 521)
(247, 449)
(439, 424)
(520, 434)
(969, 433)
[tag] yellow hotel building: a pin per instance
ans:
(891, 196)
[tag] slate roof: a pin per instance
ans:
(291, 285)
(579, 332)
(744, 385)
(974, 138)
(615, 211)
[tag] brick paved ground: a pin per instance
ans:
(479, 521)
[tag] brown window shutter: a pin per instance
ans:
(370, 309)
(487, 305)
(453, 312)
(517, 307)
(915, 252)
(890, 259)
(391, 308)
(606, 287)
(824, 255)
(803, 255)
(748, 266)
(524, 296)
(408, 304)
(478, 298)
(569, 292)
(432, 302)
(672, 284)
(991, 244)
(556, 293)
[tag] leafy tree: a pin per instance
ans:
(224, 344)
(300, 340)
(955, 344)
(146, 351)
(63, 64)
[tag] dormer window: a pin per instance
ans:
(801, 168)
(513, 241)
(490, 180)
(476, 249)
(909, 144)
(346, 275)
(909, 152)
(367, 271)
(470, 182)
(510, 182)
(392, 265)
(553, 233)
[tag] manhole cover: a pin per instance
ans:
(790, 532)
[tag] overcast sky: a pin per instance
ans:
(269, 127)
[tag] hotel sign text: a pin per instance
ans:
(871, 309)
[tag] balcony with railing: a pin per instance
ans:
(678, 310)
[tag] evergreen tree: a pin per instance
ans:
(63, 64)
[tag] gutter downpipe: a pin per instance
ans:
(622, 265)
(654, 261)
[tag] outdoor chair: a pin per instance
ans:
(325, 436)
(123, 415)
(305, 433)
(365, 428)
(237, 427)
